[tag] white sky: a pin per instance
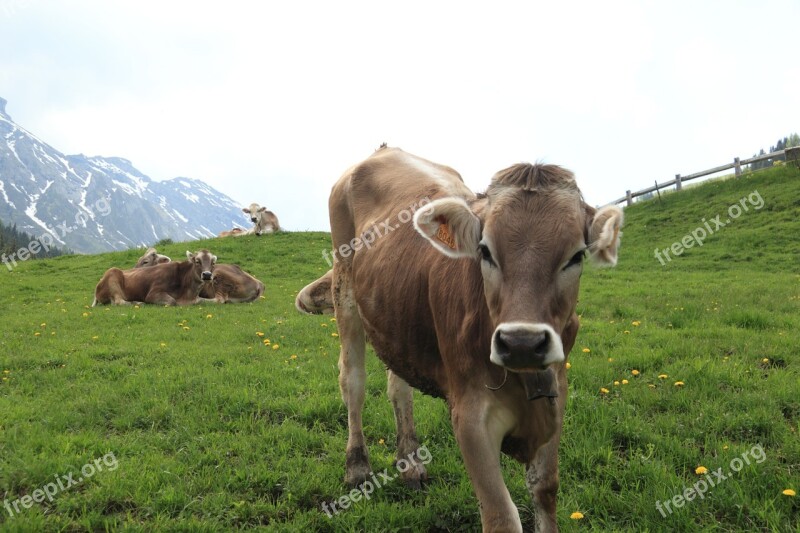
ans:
(270, 101)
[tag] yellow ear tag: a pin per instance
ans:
(443, 235)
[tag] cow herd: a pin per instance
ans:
(471, 299)
(156, 279)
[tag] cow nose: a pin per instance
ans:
(253, 220)
(206, 276)
(526, 346)
(519, 349)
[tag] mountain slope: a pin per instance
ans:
(93, 204)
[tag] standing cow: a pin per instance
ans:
(473, 302)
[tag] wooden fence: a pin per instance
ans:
(792, 155)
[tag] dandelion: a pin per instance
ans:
(610, 359)
(324, 325)
(95, 338)
(700, 470)
(333, 320)
(624, 381)
(334, 334)
(603, 390)
(789, 492)
(616, 383)
(663, 376)
(260, 333)
(651, 385)
(568, 365)
(186, 328)
(6, 371)
(635, 323)
(635, 372)
(626, 332)
(36, 334)
(765, 360)
(679, 383)
(43, 325)
(293, 356)
(163, 344)
(381, 442)
(84, 315)
(136, 307)
(576, 516)
(209, 315)
(586, 350)
(275, 347)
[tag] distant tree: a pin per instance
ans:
(163, 242)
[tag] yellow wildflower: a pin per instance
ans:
(679, 383)
(603, 390)
(663, 376)
(624, 381)
(586, 350)
(635, 372)
(700, 470)
(576, 516)
(789, 492)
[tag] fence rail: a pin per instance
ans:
(792, 154)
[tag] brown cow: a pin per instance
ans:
(166, 284)
(151, 258)
(230, 283)
(316, 298)
(264, 221)
(235, 232)
(474, 302)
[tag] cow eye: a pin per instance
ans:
(486, 254)
(577, 259)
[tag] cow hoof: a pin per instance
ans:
(414, 476)
(357, 469)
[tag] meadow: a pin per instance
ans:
(228, 417)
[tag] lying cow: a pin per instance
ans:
(264, 221)
(235, 232)
(151, 258)
(170, 283)
(316, 298)
(475, 303)
(230, 284)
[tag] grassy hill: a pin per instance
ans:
(212, 418)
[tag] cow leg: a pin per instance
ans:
(479, 430)
(160, 299)
(352, 376)
(541, 473)
(401, 396)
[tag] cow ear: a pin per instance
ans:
(189, 255)
(262, 209)
(604, 235)
(244, 209)
(150, 250)
(450, 226)
(213, 259)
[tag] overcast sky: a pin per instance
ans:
(270, 102)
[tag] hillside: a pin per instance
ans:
(95, 204)
(214, 418)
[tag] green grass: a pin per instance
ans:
(213, 430)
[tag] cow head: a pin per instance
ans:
(151, 258)
(530, 233)
(203, 264)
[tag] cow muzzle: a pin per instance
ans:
(253, 220)
(525, 346)
(206, 276)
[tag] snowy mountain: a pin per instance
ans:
(94, 204)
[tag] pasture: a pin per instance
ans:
(228, 417)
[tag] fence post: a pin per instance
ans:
(737, 167)
(629, 197)
(677, 182)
